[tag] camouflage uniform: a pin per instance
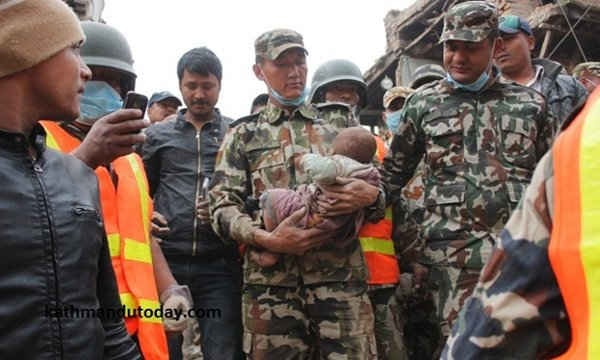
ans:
(388, 319)
(516, 311)
(479, 151)
(303, 305)
(388, 325)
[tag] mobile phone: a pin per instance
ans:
(135, 100)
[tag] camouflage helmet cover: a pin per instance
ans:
(272, 43)
(592, 67)
(470, 21)
(395, 93)
(333, 71)
(426, 73)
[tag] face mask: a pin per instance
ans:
(392, 119)
(472, 87)
(290, 102)
(287, 102)
(477, 84)
(98, 100)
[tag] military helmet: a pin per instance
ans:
(425, 74)
(337, 70)
(470, 21)
(106, 46)
(395, 93)
(592, 67)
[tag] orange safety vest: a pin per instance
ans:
(574, 248)
(127, 211)
(376, 242)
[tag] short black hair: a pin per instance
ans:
(260, 100)
(201, 61)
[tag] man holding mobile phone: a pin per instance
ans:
(103, 137)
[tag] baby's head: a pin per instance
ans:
(356, 143)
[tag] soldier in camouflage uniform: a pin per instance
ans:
(313, 301)
(339, 91)
(480, 140)
(588, 73)
(413, 304)
(517, 310)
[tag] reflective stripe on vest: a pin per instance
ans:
(574, 248)
(376, 241)
(378, 248)
(128, 240)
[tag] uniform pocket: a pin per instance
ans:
(267, 167)
(449, 194)
(444, 143)
(518, 142)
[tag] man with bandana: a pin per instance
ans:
(313, 302)
(480, 140)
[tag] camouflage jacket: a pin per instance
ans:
(480, 150)
(256, 155)
(516, 310)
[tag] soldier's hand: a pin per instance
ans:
(289, 238)
(160, 226)
(112, 136)
(346, 196)
(202, 212)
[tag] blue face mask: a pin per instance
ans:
(98, 100)
(290, 102)
(472, 87)
(392, 119)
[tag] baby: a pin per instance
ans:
(353, 152)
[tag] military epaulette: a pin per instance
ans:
(245, 119)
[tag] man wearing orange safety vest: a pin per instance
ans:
(338, 90)
(103, 137)
(539, 294)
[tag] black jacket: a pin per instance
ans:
(54, 257)
(562, 91)
(177, 159)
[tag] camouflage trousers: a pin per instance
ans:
(453, 274)
(389, 322)
(191, 348)
(329, 321)
(451, 287)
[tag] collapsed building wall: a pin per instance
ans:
(413, 38)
